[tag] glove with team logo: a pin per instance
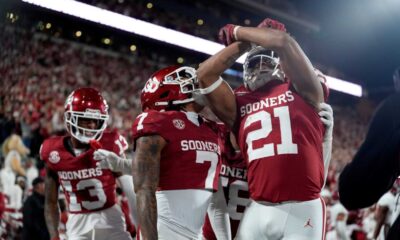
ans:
(270, 23)
(227, 34)
(110, 160)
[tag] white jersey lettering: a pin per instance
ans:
(266, 103)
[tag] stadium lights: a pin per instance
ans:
(180, 60)
(146, 29)
(78, 34)
(133, 48)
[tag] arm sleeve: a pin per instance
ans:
(327, 155)
(218, 214)
(126, 183)
(376, 164)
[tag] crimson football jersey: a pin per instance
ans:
(233, 177)
(280, 136)
(190, 160)
(87, 188)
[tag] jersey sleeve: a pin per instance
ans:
(385, 200)
(120, 144)
(150, 123)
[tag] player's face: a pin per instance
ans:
(89, 123)
(260, 68)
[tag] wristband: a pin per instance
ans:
(235, 29)
(212, 87)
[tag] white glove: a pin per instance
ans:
(326, 116)
(110, 160)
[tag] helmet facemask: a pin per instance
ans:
(186, 78)
(85, 135)
(260, 67)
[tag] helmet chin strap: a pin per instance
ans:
(199, 98)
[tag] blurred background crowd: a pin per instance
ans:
(44, 57)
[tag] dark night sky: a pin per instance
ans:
(359, 37)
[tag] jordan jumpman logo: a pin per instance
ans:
(308, 223)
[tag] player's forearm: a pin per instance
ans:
(124, 166)
(52, 217)
(147, 214)
(126, 184)
(218, 215)
(294, 62)
(210, 70)
(327, 155)
(146, 172)
(266, 37)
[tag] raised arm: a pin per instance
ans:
(295, 64)
(146, 172)
(221, 100)
(51, 212)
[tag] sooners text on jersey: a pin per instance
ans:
(280, 136)
(191, 158)
(87, 188)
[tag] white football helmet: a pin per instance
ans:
(261, 66)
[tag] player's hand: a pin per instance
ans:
(326, 116)
(226, 34)
(270, 23)
(110, 160)
(107, 159)
(95, 144)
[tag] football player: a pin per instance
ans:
(233, 174)
(277, 126)
(89, 189)
(233, 177)
(176, 164)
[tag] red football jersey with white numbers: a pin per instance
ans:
(233, 177)
(87, 188)
(190, 158)
(234, 182)
(280, 136)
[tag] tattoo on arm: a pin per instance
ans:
(51, 212)
(242, 48)
(146, 170)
